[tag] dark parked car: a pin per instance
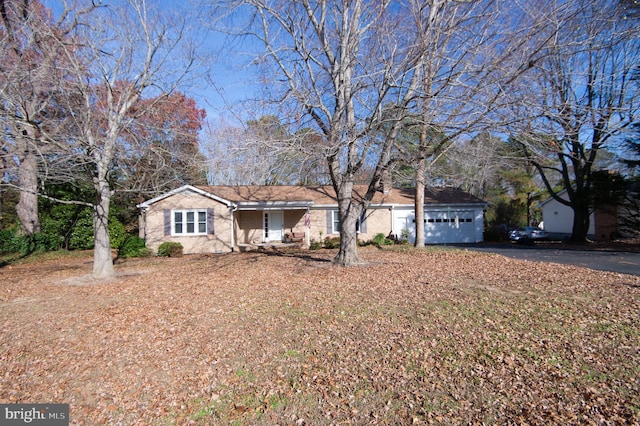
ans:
(528, 234)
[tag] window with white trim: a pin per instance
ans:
(336, 222)
(188, 222)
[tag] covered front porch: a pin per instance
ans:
(263, 225)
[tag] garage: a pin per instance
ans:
(449, 227)
(443, 226)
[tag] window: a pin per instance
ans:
(335, 222)
(189, 222)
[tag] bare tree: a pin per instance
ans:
(629, 9)
(466, 48)
(224, 167)
(473, 164)
(121, 53)
(341, 65)
(245, 156)
(579, 96)
(162, 148)
(263, 153)
(357, 70)
(454, 37)
(32, 78)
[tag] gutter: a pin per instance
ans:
(273, 205)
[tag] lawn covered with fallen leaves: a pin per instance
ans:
(422, 337)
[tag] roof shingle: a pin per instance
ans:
(323, 195)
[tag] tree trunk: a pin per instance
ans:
(419, 202)
(349, 212)
(27, 207)
(102, 261)
(580, 224)
(348, 253)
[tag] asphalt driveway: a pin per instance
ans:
(621, 261)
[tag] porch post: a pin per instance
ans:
(232, 209)
(307, 228)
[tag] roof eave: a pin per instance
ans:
(183, 188)
(274, 205)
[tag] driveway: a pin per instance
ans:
(624, 262)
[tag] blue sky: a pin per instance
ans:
(231, 72)
(226, 62)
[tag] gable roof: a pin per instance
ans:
(449, 196)
(325, 195)
(261, 196)
(561, 194)
(184, 188)
(264, 193)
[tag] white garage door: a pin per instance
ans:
(441, 227)
(449, 227)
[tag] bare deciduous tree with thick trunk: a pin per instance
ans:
(579, 97)
(355, 71)
(464, 47)
(32, 76)
(120, 55)
(341, 65)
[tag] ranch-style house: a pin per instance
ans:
(220, 219)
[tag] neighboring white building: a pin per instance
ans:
(558, 218)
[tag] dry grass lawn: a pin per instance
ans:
(431, 337)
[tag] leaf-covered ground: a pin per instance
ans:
(434, 337)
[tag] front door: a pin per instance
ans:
(273, 226)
